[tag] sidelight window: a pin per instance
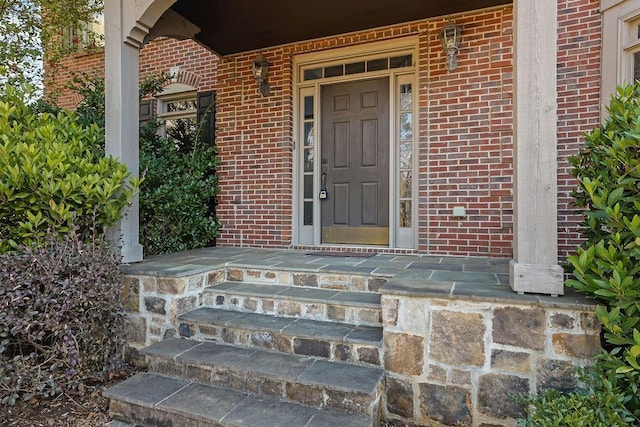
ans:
(308, 160)
(405, 154)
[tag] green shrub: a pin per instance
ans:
(91, 109)
(177, 196)
(607, 266)
(597, 404)
(61, 317)
(50, 177)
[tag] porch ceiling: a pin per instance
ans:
(230, 27)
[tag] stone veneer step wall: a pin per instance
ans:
(304, 380)
(327, 340)
(357, 308)
(153, 302)
(462, 361)
(454, 353)
(151, 399)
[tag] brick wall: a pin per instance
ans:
(58, 74)
(466, 147)
(464, 126)
(198, 67)
(579, 52)
(255, 144)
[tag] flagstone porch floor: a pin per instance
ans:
(470, 278)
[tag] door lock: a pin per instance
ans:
(323, 186)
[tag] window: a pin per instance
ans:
(178, 111)
(620, 60)
(90, 35)
(308, 168)
(632, 51)
(179, 114)
(187, 115)
(404, 142)
(370, 65)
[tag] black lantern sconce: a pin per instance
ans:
(260, 71)
(450, 38)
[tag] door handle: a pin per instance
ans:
(323, 186)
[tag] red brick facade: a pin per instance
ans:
(579, 53)
(465, 127)
(59, 74)
(466, 139)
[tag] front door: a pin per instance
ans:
(355, 163)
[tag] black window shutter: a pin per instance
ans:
(146, 111)
(207, 116)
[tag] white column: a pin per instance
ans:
(535, 266)
(122, 104)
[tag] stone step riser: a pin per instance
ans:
(151, 400)
(339, 281)
(315, 396)
(141, 416)
(153, 417)
(333, 350)
(292, 308)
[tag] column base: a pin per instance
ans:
(131, 253)
(536, 279)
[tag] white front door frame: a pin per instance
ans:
(307, 236)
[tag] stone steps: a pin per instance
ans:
(331, 305)
(305, 380)
(329, 340)
(151, 400)
(302, 350)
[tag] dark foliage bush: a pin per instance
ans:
(595, 404)
(61, 317)
(177, 195)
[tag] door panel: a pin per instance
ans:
(341, 145)
(355, 159)
(370, 143)
(370, 203)
(341, 205)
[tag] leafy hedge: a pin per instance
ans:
(50, 176)
(607, 267)
(177, 196)
(597, 404)
(61, 317)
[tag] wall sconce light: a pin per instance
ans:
(260, 71)
(174, 71)
(450, 37)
